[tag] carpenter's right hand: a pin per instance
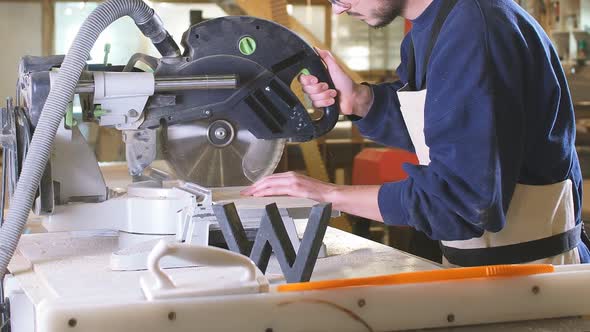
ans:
(321, 95)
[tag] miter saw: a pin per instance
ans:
(227, 97)
(220, 111)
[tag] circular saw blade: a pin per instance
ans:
(241, 160)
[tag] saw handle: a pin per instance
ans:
(331, 113)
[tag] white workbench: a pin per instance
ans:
(74, 266)
(45, 264)
(56, 257)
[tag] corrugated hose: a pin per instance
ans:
(60, 95)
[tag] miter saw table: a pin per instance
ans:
(69, 272)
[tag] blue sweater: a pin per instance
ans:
(498, 112)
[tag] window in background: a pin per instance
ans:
(122, 39)
(122, 36)
(312, 17)
(364, 48)
(361, 47)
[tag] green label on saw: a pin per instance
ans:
(247, 45)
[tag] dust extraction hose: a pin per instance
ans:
(54, 109)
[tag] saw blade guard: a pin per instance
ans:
(266, 57)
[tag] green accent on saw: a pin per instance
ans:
(70, 121)
(98, 111)
(305, 71)
(247, 45)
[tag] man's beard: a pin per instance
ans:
(388, 12)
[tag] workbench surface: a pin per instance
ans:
(56, 257)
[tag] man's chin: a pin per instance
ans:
(379, 23)
(373, 22)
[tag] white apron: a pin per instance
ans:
(535, 212)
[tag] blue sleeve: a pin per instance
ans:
(459, 195)
(384, 122)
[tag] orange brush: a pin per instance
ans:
(423, 276)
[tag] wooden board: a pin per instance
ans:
(232, 194)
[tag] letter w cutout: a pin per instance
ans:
(272, 237)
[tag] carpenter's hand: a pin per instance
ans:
(321, 95)
(291, 184)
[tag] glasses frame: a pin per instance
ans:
(340, 3)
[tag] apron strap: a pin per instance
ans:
(443, 13)
(516, 253)
(585, 238)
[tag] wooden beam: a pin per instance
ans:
(48, 26)
(328, 27)
(275, 10)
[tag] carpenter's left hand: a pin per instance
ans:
(291, 184)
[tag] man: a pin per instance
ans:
(483, 101)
